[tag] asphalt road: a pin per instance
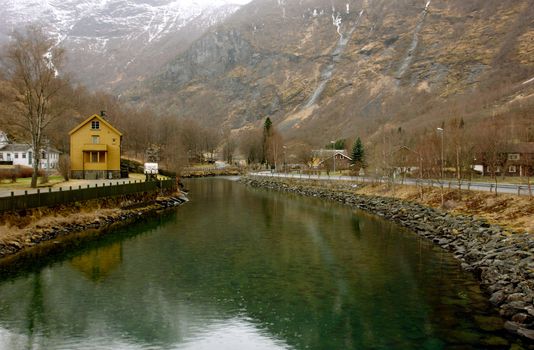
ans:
(509, 188)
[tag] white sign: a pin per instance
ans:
(151, 168)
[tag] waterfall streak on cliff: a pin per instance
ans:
(328, 70)
(408, 58)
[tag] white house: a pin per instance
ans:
(22, 154)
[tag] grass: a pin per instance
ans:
(54, 180)
(25, 183)
(515, 213)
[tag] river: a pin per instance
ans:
(242, 268)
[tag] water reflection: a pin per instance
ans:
(98, 263)
(248, 269)
(224, 335)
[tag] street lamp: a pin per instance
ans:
(285, 166)
(334, 149)
(442, 132)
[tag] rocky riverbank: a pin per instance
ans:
(503, 262)
(193, 173)
(24, 230)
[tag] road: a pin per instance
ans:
(508, 188)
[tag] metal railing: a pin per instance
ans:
(519, 189)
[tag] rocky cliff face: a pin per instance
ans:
(112, 43)
(335, 67)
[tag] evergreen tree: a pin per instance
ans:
(358, 154)
(267, 126)
(339, 144)
(267, 132)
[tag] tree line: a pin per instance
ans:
(40, 103)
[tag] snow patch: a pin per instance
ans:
(336, 21)
(49, 63)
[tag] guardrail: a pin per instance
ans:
(520, 190)
(52, 198)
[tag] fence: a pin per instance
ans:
(51, 198)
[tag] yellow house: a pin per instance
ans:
(95, 150)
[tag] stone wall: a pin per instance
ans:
(95, 174)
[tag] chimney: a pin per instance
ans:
(102, 114)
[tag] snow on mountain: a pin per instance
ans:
(112, 35)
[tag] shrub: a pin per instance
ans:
(64, 166)
(18, 172)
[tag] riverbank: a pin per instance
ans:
(501, 260)
(209, 172)
(23, 230)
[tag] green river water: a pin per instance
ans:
(241, 268)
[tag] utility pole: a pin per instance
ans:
(442, 132)
(334, 149)
(442, 162)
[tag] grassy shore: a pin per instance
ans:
(513, 213)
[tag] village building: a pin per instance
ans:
(516, 159)
(95, 150)
(22, 154)
(324, 158)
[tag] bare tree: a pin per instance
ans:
(191, 136)
(64, 166)
(211, 139)
(303, 154)
(250, 144)
(229, 146)
(32, 62)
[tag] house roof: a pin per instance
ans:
(23, 147)
(328, 153)
(95, 116)
(522, 147)
(325, 154)
(15, 147)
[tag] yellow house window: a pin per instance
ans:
(95, 139)
(95, 125)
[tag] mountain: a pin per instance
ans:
(324, 69)
(321, 69)
(111, 43)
